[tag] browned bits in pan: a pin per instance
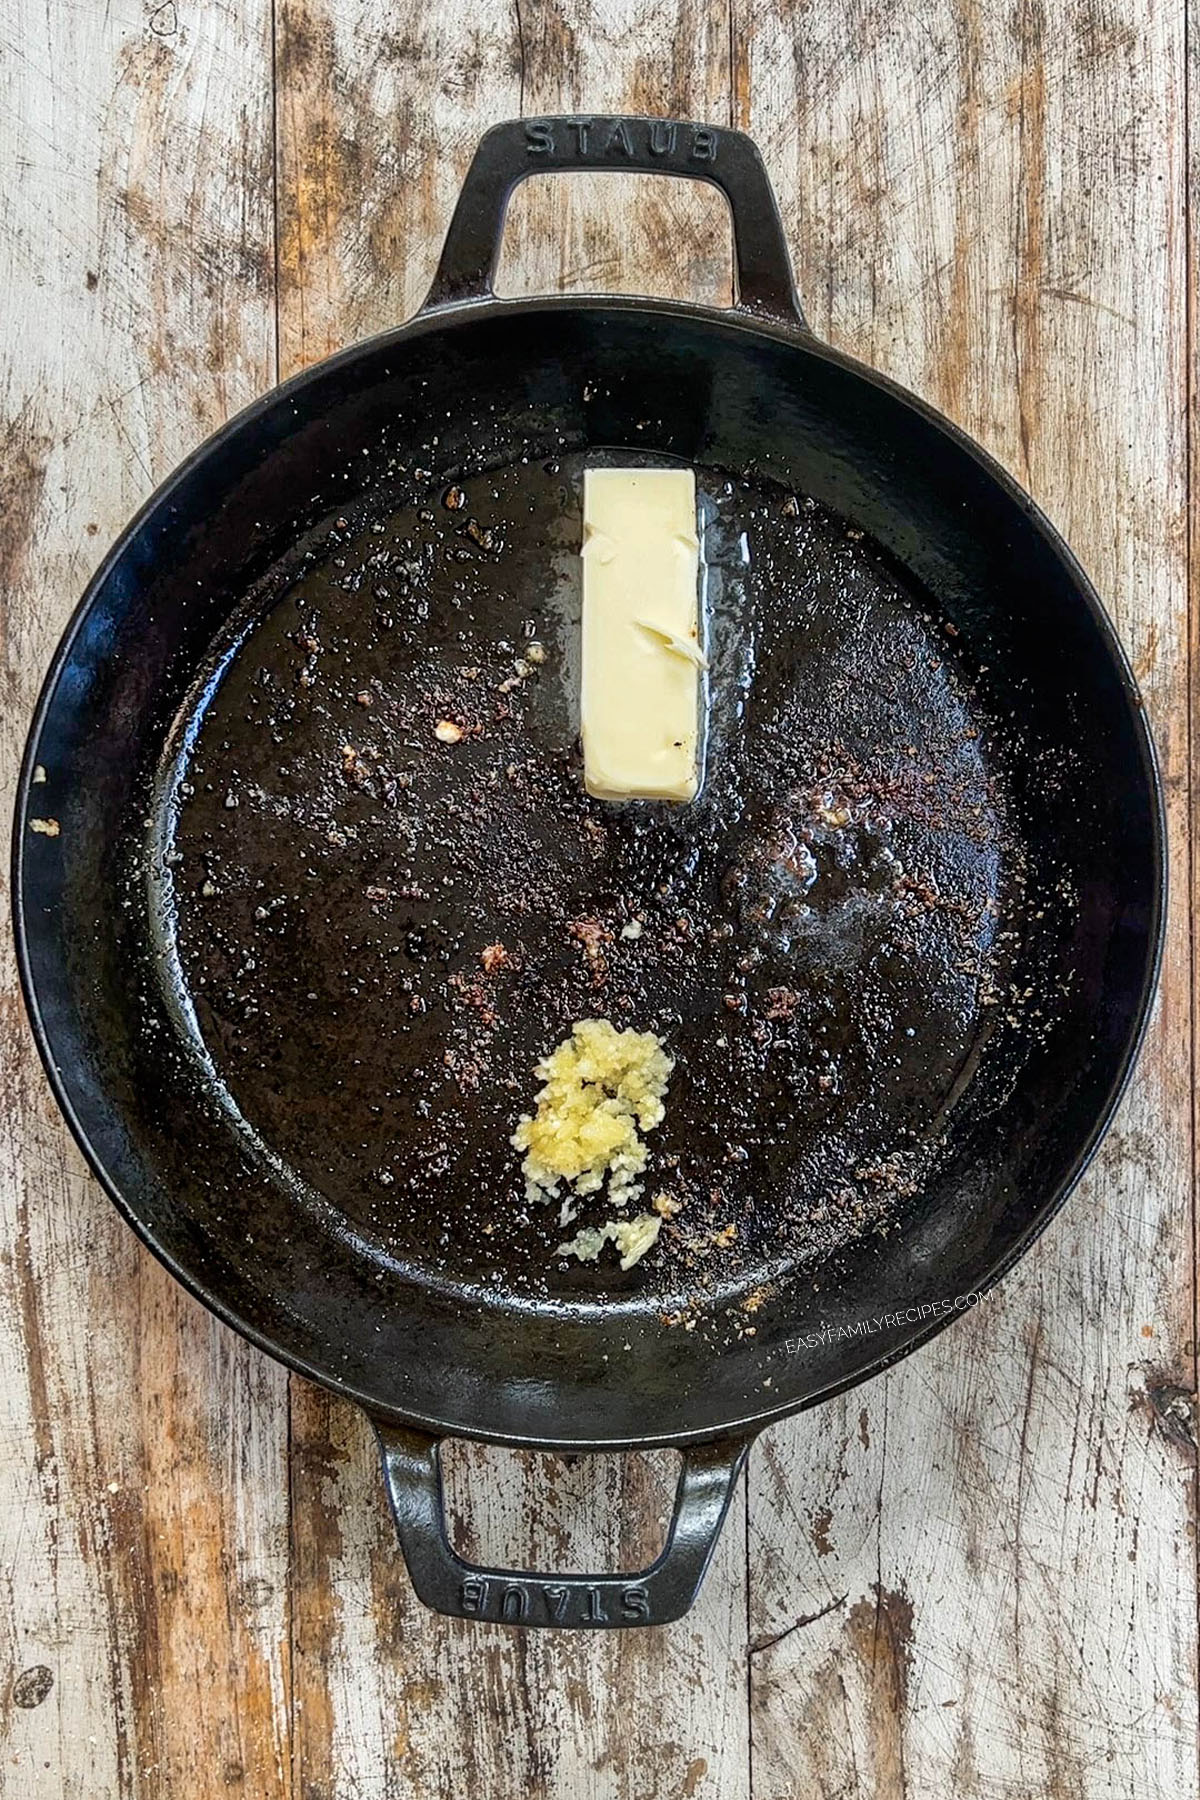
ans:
(593, 937)
(816, 942)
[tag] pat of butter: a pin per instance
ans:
(640, 711)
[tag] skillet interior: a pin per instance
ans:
(416, 1292)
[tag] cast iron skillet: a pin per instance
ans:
(934, 728)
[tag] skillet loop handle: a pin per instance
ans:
(444, 1581)
(729, 160)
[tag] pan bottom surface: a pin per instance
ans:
(383, 893)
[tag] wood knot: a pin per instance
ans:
(32, 1686)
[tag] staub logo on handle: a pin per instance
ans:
(519, 1602)
(613, 140)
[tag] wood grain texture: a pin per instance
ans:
(143, 1500)
(379, 108)
(392, 1700)
(977, 1576)
(974, 1577)
(609, 233)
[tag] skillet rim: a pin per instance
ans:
(739, 321)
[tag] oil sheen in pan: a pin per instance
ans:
(378, 932)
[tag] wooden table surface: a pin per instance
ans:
(975, 1576)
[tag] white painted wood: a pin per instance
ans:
(394, 1701)
(143, 1500)
(989, 205)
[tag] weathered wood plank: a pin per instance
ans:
(143, 1499)
(999, 1537)
(379, 108)
(1192, 398)
(622, 233)
(389, 1699)
(393, 1701)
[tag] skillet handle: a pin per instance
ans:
(444, 1581)
(729, 160)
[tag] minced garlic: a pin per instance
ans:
(633, 1237)
(600, 1089)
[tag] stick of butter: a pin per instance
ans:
(642, 662)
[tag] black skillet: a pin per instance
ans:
(902, 947)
